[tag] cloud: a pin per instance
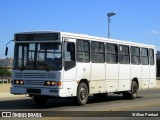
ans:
(154, 32)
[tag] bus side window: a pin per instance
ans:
(70, 51)
(151, 56)
(69, 55)
(144, 56)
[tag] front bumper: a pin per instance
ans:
(36, 91)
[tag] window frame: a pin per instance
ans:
(143, 56)
(98, 52)
(83, 51)
(151, 57)
(112, 53)
(125, 55)
(134, 55)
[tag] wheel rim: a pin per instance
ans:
(83, 94)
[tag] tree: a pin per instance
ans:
(4, 72)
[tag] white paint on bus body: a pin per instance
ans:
(102, 77)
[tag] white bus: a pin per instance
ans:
(60, 64)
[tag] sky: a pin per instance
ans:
(135, 20)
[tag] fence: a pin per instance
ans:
(5, 80)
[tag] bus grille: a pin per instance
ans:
(20, 75)
(34, 82)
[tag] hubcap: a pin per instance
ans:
(83, 94)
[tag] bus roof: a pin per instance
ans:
(101, 39)
(89, 37)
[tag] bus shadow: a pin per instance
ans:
(29, 104)
(109, 99)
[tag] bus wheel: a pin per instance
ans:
(40, 100)
(132, 94)
(82, 94)
(134, 90)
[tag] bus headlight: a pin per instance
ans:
(18, 82)
(50, 83)
(21, 82)
(53, 83)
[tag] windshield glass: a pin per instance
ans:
(38, 56)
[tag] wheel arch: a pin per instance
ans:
(84, 81)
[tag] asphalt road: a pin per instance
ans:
(147, 100)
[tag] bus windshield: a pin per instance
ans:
(38, 56)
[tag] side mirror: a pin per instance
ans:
(6, 52)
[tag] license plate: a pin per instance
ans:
(34, 91)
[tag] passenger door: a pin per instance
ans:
(69, 60)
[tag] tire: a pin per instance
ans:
(82, 94)
(132, 94)
(100, 95)
(134, 90)
(126, 95)
(40, 100)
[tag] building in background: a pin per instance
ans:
(8, 62)
(6, 77)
